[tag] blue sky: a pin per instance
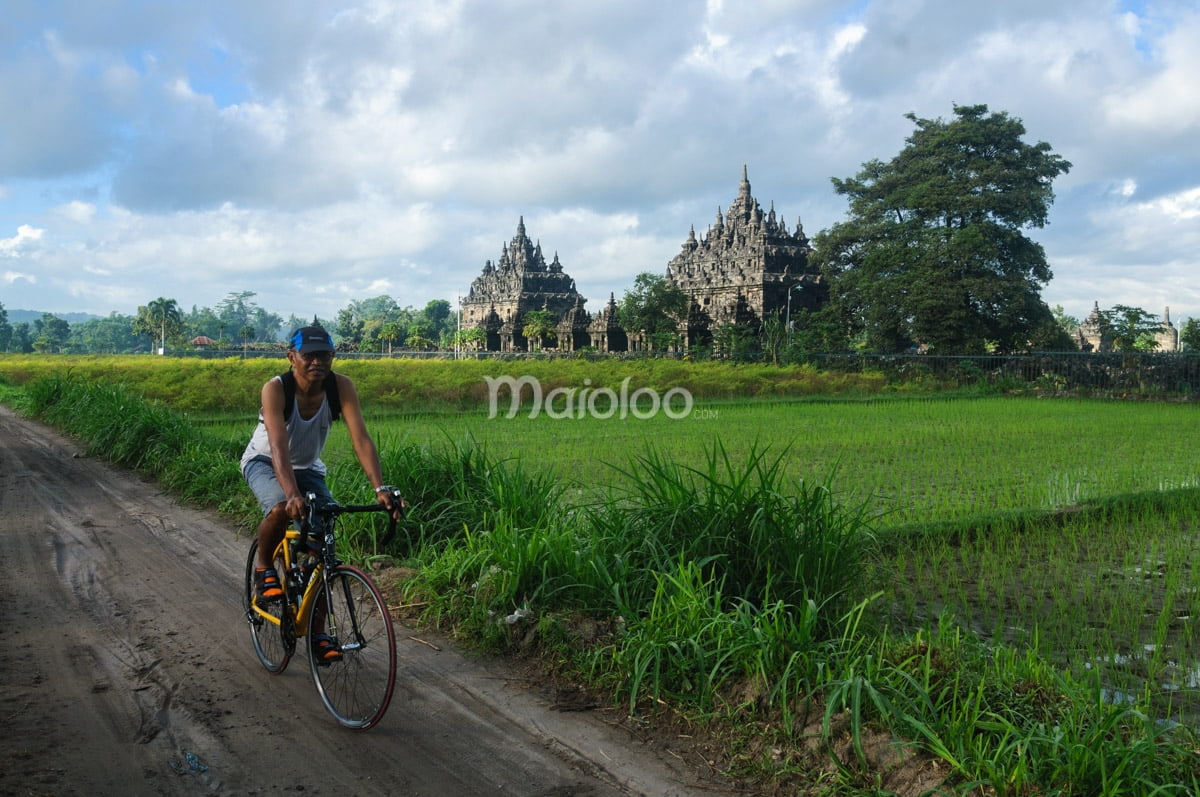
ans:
(322, 152)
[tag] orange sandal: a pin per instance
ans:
(324, 650)
(269, 588)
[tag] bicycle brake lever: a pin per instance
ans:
(397, 512)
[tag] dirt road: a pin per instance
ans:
(126, 668)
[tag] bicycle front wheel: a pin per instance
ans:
(356, 687)
(271, 627)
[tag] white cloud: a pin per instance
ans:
(1182, 206)
(317, 155)
(13, 277)
(26, 235)
(77, 212)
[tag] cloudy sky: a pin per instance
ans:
(321, 152)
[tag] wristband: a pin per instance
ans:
(383, 488)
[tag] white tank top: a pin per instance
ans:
(306, 438)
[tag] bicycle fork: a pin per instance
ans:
(345, 630)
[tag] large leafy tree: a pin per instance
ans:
(653, 307)
(1189, 335)
(934, 252)
(236, 312)
(438, 313)
(1130, 328)
(50, 334)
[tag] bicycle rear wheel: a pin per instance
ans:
(357, 687)
(274, 637)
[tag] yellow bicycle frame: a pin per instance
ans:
(307, 601)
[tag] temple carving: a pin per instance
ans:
(746, 267)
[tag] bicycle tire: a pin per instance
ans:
(274, 642)
(357, 688)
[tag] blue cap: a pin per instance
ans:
(309, 339)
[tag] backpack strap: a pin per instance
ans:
(331, 394)
(289, 393)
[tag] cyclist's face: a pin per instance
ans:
(313, 362)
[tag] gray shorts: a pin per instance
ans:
(259, 473)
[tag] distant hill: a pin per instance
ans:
(29, 316)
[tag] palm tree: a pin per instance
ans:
(247, 333)
(390, 332)
(160, 317)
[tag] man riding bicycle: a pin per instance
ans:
(282, 461)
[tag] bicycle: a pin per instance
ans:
(323, 594)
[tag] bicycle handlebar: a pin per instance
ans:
(334, 509)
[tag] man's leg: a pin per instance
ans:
(270, 531)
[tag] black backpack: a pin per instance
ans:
(331, 394)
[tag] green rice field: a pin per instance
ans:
(913, 460)
(1104, 590)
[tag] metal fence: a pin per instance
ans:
(1134, 373)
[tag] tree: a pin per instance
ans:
(438, 313)
(538, 328)
(109, 335)
(390, 332)
(733, 341)
(1069, 323)
(471, 338)
(349, 327)
(21, 342)
(1130, 328)
(653, 307)
(6, 330)
(160, 317)
(418, 335)
(236, 311)
(933, 253)
(1189, 335)
(50, 334)
(202, 321)
(774, 336)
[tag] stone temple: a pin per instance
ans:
(519, 282)
(742, 270)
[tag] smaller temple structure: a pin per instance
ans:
(521, 281)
